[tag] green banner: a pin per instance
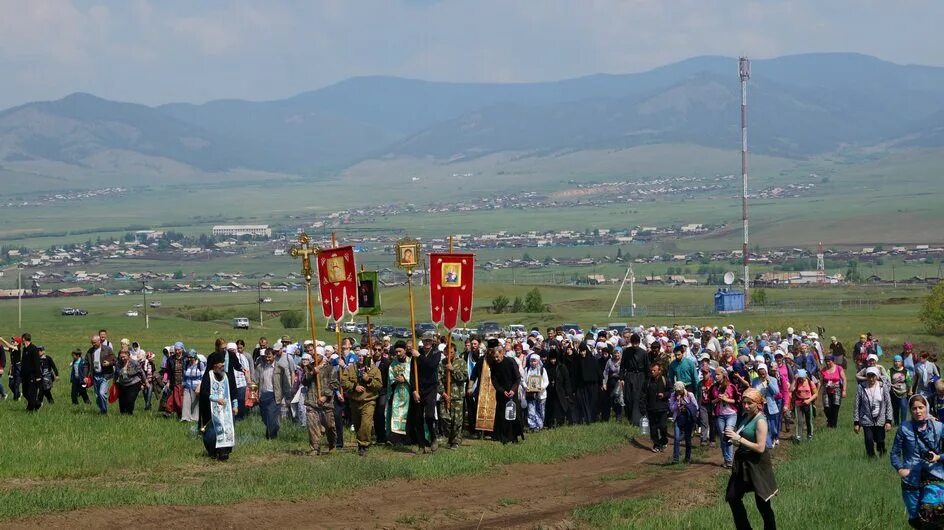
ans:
(368, 293)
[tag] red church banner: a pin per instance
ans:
(450, 287)
(337, 278)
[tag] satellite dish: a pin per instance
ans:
(728, 278)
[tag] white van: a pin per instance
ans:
(241, 323)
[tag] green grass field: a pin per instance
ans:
(152, 455)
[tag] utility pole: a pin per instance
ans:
(19, 295)
(147, 321)
(259, 301)
(744, 71)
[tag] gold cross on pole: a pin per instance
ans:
(305, 251)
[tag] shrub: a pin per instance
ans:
(932, 311)
(291, 319)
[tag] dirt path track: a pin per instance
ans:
(513, 496)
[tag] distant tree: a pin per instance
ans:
(517, 306)
(547, 260)
(932, 311)
(852, 272)
(619, 253)
(533, 302)
(759, 297)
(500, 304)
(291, 319)
(526, 257)
(178, 274)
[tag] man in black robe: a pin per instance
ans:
(557, 407)
(421, 423)
(633, 369)
(505, 378)
(31, 372)
(217, 370)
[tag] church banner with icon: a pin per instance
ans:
(450, 287)
(338, 282)
(368, 294)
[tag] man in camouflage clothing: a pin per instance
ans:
(319, 408)
(452, 416)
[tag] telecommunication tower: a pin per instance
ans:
(820, 265)
(744, 71)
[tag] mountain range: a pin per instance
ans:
(800, 106)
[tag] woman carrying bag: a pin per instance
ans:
(916, 456)
(752, 469)
(872, 412)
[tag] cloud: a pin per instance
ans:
(171, 50)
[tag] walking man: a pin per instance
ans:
(362, 382)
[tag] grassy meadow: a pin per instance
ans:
(149, 456)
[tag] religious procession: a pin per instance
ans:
(733, 391)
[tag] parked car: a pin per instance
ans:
(349, 327)
(567, 327)
(515, 330)
(489, 328)
(403, 333)
(240, 323)
(423, 327)
(266, 300)
(330, 326)
(618, 327)
(155, 303)
(71, 311)
(462, 334)
(131, 313)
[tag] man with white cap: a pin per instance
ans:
(872, 412)
(769, 388)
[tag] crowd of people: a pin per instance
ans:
(739, 392)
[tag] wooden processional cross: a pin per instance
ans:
(305, 251)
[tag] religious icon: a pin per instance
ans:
(451, 275)
(334, 266)
(408, 256)
(365, 293)
(407, 253)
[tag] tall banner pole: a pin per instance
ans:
(306, 251)
(407, 257)
(337, 324)
(449, 353)
(409, 291)
(370, 336)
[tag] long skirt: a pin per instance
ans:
(536, 413)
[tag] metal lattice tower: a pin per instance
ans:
(744, 71)
(820, 264)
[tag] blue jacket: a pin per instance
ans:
(771, 393)
(83, 371)
(907, 450)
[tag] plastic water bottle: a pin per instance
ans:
(644, 425)
(510, 413)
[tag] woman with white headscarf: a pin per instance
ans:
(536, 381)
(872, 412)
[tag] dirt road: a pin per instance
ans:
(512, 496)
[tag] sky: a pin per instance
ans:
(160, 51)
